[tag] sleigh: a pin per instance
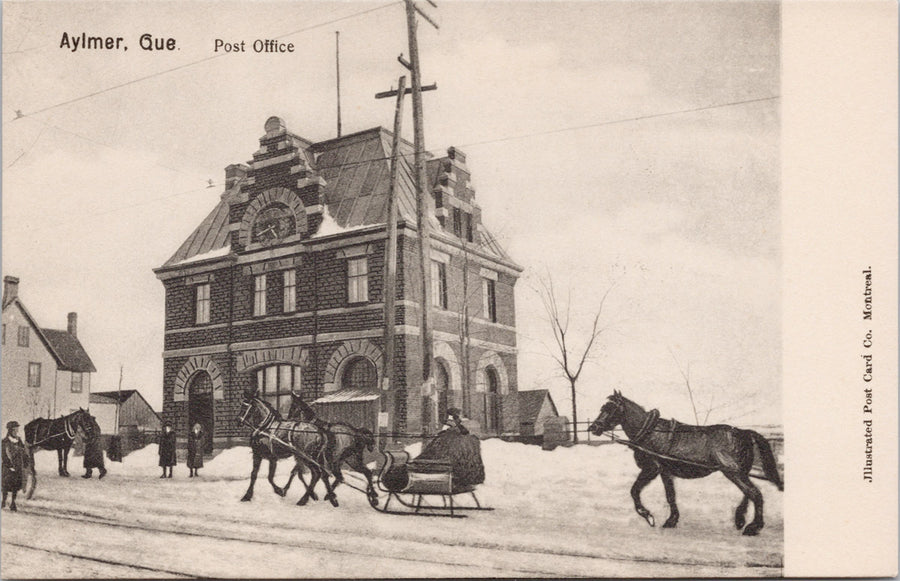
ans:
(424, 487)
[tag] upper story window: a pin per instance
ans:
(34, 375)
(439, 284)
(275, 384)
(457, 222)
(290, 291)
(202, 303)
(357, 280)
(76, 382)
(490, 300)
(259, 295)
(23, 336)
(469, 228)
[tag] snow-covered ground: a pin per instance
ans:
(562, 513)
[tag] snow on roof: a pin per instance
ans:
(215, 253)
(330, 226)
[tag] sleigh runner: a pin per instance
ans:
(414, 483)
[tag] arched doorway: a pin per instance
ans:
(492, 400)
(442, 388)
(200, 407)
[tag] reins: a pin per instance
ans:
(68, 431)
(264, 430)
(632, 444)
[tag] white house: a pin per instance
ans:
(46, 372)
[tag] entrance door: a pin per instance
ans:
(200, 407)
(491, 401)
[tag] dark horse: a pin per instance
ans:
(345, 444)
(275, 439)
(58, 434)
(667, 448)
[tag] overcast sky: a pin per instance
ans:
(562, 108)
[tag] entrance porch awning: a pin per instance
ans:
(348, 395)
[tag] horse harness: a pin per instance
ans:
(649, 426)
(68, 431)
(265, 430)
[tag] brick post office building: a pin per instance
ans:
(280, 288)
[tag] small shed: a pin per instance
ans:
(138, 423)
(535, 408)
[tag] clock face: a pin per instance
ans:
(273, 223)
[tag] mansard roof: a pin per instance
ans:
(356, 172)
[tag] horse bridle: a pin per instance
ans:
(263, 425)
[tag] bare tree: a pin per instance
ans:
(570, 363)
(687, 382)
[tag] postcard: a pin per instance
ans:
(449, 289)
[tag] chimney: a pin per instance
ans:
(234, 173)
(10, 288)
(73, 324)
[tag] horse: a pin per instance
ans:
(346, 443)
(668, 448)
(275, 439)
(58, 434)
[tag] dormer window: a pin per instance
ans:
(457, 222)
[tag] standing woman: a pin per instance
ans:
(167, 450)
(13, 464)
(195, 449)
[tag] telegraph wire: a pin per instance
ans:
(192, 63)
(408, 156)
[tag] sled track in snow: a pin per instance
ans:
(97, 519)
(99, 560)
(84, 517)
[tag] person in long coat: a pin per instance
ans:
(14, 458)
(167, 450)
(195, 449)
(93, 457)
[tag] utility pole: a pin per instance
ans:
(423, 208)
(119, 398)
(390, 255)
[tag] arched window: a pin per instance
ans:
(492, 400)
(442, 386)
(360, 373)
(275, 384)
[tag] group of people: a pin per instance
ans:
(167, 456)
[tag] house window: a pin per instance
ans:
(290, 291)
(275, 384)
(490, 299)
(457, 222)
(469, 235)
(357, 280)
(259, 295)
(34, 375)
(202, 307)
(76, 382)
(23, 336)
(439, 284)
